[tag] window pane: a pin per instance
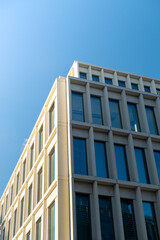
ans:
(38, 229)
(147, 89)
(134, 86)
(24, 170)
(150, 221)
(17, 187)
(83, 75)
(9, 226)
(31, 156)
(141, 165)
(29, 199)
(28, 236)
(6, 204)
(121, 162)
(107, 231)
(95, 78)
(39, 185)
(11, 195)
(51, 167)
(83, 217)
(108, 81)
(80, 159)
(115, 114)
(51, 118)
(3, 227)
(158, 91)
(96, 110)
(128, 219)
(133, 116)
(51, 222)
(157, 160)
(40, 139)
(121, 83)
(151, 120)
(101, 160)
(14, 223)
(77, 107)
(22, 211)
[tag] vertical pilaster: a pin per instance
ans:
(132, 160)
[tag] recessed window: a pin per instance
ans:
(108, 80)
(9, 229)
(28, 236)
(6, 204)
(95, 78)
(83, 75)
(14, 222)
(158, 91)
(157, 160)
(17, 185)
(31, 156)
(96, 110)
(38, 229)
(11, 199)
(133, 116)
(83, 217)
(22, 212)
(51, 222)
(121, 162)
(151, 120)
(115, 114)
(40, 139)
(80, 158)
(101, 159)
(121, 83)
(39, 186)
(51, 118)
(134, 86)
(77, 107)
(24, 171)
(141, 165)
(29, 199)
(3, 234)
(147, 89)
(51, 167)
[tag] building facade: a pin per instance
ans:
(91, 166)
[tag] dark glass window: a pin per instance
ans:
(51, 118)
(11, 199)
(95, 78)
(96, 110)
(121, 162)
(31, 156)
(24, 171)
(28, 237)
(157, 160)
(133, 116)
(151, 120)
(83, 217)
(29, 199)
(108, 80)
(51, 167)
(40, 139)
(158, 91)
(80, 158)
(150, 220)
(147, 89)
(17, 186)
(9, 226)
(38, 229)
(6, 204)
(14, 222)
(51, 222)
(115, 114)
(141, 165)
(121, 83)
(77, 107)
(129, 225)
(22, 212)
(101, 160)
(39, 194)
(105, 209)
(134, 86)
(3, 227)
(83, 75)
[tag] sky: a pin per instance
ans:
(40, 39)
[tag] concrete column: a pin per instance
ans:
(153, 87)
(143, 118)
(115, 80)
(102, 76)
(141, 87)
(128, 83)
(111, 160)
(91, 157)
(124, 115)
(87, 105)
(76, 70)
(132, 160)
(89, 73)
(106, 110)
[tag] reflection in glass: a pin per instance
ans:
(95, 78)
(101, 160)
(157, 160)
(133, 116)
(96, 110)
(51, 167)
(80, 159)
(29, 199)
(115, 114)
(39, 185)
(77, 107)
(151, 120)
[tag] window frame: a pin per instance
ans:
(83, 108)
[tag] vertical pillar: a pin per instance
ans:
(111, 160)
(106, 110)
(153, 87)
(124, 115)
(132, 160)
(102, 76)
(141, 87)
(128, 83)
(91, 157)
(87, 106)
(143, 118)
(115, 80)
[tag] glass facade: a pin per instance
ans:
(115, 114)
(83, 217)
(80, 158)
(121, 162)
(95, 78)
(41, 139)
(96, 110)
(22, 212)
(24, 171)
(39, 195)
(157, 160)
(29, 199)
(101, 159)
(108, 81)
(151, 120)
(51, 167)
(31, 156)
(77, 107)
(141, 165)
(134, 86)
(121, 83)
(51, 118)
(38, 229)
(83, 75)
(51, 222)
(106, 221)
(133, 116)
(147, 89)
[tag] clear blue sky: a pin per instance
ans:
(40, 39)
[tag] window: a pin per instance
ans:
(151, 120)
(133, 116)
(95, 78)
(2, 213)
(9, 226)
(158, 91)
(147, 89)
(31, 156)
(51, 222)
(108, 80)
(17, 186)
(39, 195)
(121, 83)
(77, 107)
(40, 139)
(6, 204)
(80, 158)
(115, 114)
(22, 212)
(51, 167)
(14, 222)
(83, 217)
(134, 86)
(141, 165)
(24, 171)
(101, 160)
(96, 110)
(150, 220)
(51, 118)
(3, 227)
(38, 229)
(28, 237)
(129, 225)
(106, 219)
(157, 160)
(29, 199)
(121, 162)
(83, 75)
(11, 199)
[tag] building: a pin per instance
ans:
(91, 166)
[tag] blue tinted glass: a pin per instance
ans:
(115, 114)
(83, 75)
(150, 221)
(141, 165)
(133, 116)
(77, 107)
(158, 91)
(83, 217)
(157, 159)
(108, 81)
(107, 231)
(134, 86)
(121, 162)
(147, 89)
(121, 83)
(96, 110)
(151, 120)
(80, 159)
(95, 78)
(101, 160)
